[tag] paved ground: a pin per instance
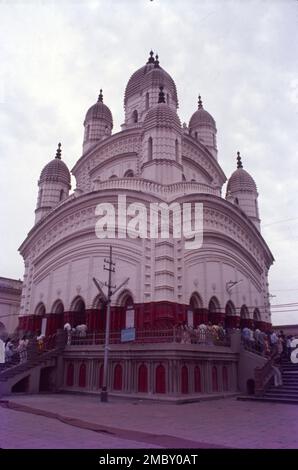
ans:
(132, 424)
(27, 431)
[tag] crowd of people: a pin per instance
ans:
(203, 333)
(268, 344)
(15, 350)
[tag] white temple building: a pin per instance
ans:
(153, 159)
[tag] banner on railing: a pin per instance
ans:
(128, 334)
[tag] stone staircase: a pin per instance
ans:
(16, 371)
(287, 393)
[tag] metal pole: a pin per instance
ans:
(104, 391)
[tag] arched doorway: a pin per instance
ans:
(197, 379)
(244, 317)
(160, 379)
(99, 312)
(231, 318)
(79, 309)
(82, 375)
(126, 319)
(117, 377)
(39, 321)
(214, 310)
(143, 379)
(214, 379)
(195, 316)
(55, 320)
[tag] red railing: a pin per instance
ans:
(171, 335)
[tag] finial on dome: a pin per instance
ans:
(161, 96)
(59, 151)
(239, 162)
(100, 96)
(151, 58)
(156, 62)
(200, 103)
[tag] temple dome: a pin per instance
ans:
(56, 170)
(151, 74)
(162, 115)
(99, 111)
(201, 117)
(241, 180)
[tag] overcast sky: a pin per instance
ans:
(240, 55)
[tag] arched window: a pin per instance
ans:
(112, 177)
(237, 201)
(128, 174)
(118, 377)
(70, 375)
(150, 148)
(197, 380)
(143, 379)
(160, 379)
(214, 379)
(168, 98)
(61, 196)
(196, 135)
(177, 150)
(184, 379)
(135, 116)
(183, 178)
(147, 101)
(82, 375)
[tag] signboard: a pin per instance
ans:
(129, 334)
(190, 317)
(129, 317)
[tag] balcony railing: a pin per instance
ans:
(171, 335)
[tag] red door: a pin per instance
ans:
(118, 377)
(160, 377)
(197, 379)
(143, 379)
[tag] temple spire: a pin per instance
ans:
(59, 151)
(161, 96)
(200, 103)
(100, 96)
(156, 62)
(239, 161)
(151, 57)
